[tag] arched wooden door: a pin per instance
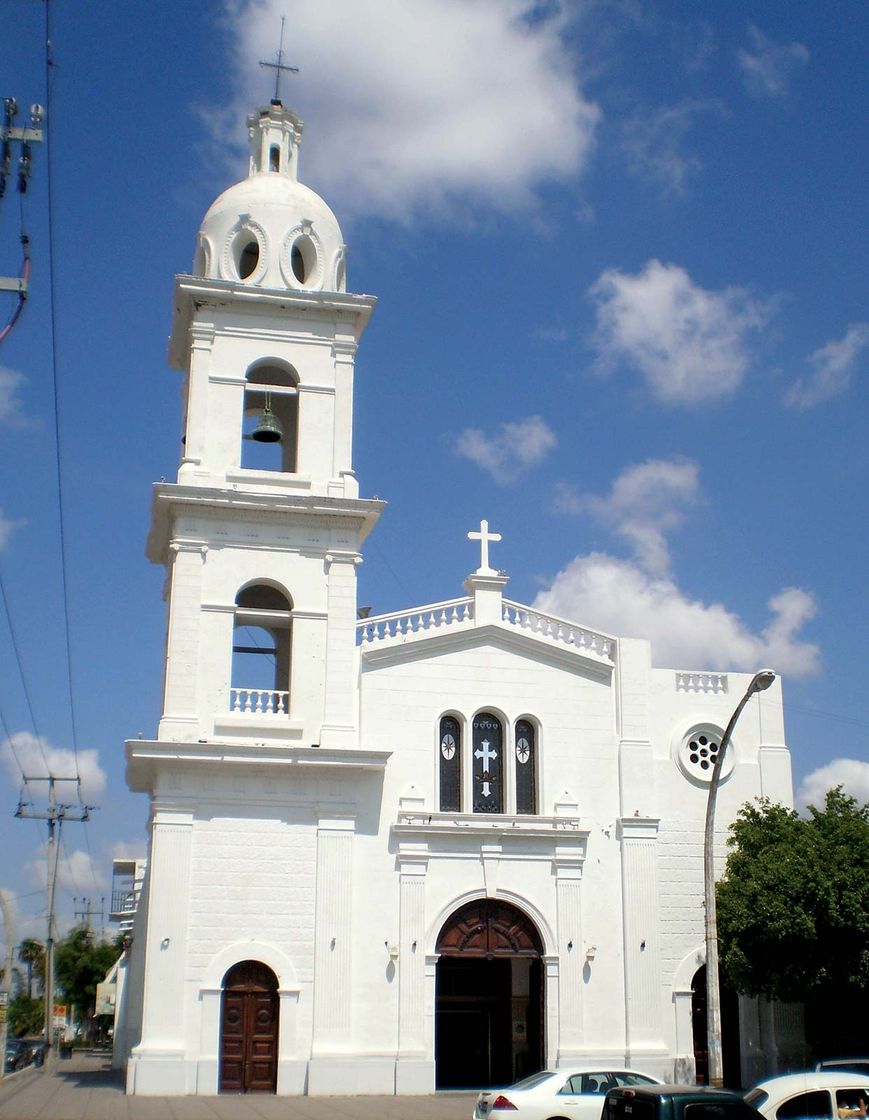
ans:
(489, 1017)
(249, 1030)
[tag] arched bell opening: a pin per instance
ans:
(249, 1021)
(261, 651)
(271, 420)
(490, 997)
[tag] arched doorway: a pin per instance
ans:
(489, 1011)
(730, 1045)
(249, 1029)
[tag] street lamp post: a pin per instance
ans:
(759, 683)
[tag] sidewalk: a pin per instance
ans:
(86, 1088)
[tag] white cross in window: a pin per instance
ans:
(487, 755)
(484, 536)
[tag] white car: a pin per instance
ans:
(814, 1095)
(560, 1094)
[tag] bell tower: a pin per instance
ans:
(261, 532)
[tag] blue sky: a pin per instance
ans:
(620, 254)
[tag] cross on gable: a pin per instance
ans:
(484, 537)
(279, 67)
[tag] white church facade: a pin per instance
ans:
(438, 848)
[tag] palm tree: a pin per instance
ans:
(31, 953)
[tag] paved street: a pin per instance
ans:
(86, 1088)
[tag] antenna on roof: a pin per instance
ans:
(279, 66)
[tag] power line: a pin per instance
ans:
(20, 666)
(52, 304)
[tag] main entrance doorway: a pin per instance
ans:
(489, 1014)
(249, 1030)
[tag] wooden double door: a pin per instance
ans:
(249, 1030)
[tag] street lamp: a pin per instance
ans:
(759, 683)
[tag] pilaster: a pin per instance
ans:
(180, 700)
(414, 1071)
(568, 890)
(640, 900)
(159, 1056)
(339, 713)
(344, 353)
(201, 343)
(333, 935)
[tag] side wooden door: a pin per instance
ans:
(249, 1030)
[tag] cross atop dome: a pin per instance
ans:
(279, 66)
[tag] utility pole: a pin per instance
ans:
(6, 992)
(55, 815)
(88, 911)
(11, 134)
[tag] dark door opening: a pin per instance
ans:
(249, 1030)
(489, 1016)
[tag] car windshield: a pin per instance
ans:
(756, 1097)
(533, 1079)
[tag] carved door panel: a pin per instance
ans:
(232, 1043)
(261, 1059)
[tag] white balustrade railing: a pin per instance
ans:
(559, 629)
(701, 682)
(454, 612)
(259, 702)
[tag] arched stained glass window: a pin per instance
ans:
(526, 766)
(486, 764)
(450, 754)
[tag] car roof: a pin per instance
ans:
(674, 1091)
(812, 1079)
(571, 1071)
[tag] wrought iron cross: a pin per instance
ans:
(484, 537)
(279, 67)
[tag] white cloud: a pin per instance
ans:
(646, 501)
(850, 773)
(767, 66)
(654, 143)
(10, 403)
(77, 872)
(7, 528)
(617, 596)
(833, 370)
(416, 105)
(37, 756)
(690, 344)
(518, 445)
(129, 849)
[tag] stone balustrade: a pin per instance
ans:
(701, 682)
(558, 629)
(453, 612)
(259, 702)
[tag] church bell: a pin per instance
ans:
(269, 429)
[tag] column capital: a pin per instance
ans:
(639, 828)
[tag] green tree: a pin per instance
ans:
(80, 963)
(26, 1016)
(793, 911)
(31, 953)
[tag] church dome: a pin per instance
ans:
(270, 230)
